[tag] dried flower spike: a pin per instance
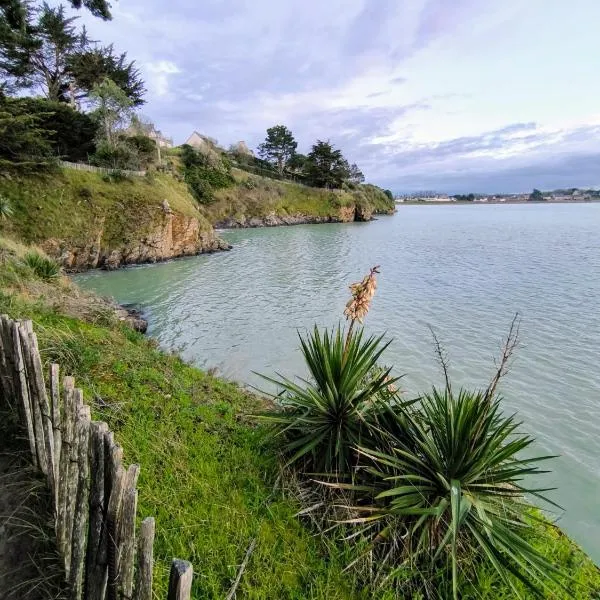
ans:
(362, 294)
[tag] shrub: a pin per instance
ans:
(42, 267)
(144, 149)
(85, 192)
(6, 209)
(450, 486)
(323, 421)
(116, 156)
(205, 172)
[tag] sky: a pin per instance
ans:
(446, 95)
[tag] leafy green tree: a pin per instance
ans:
(297, 162)
(24, 144)
(17, 41)
(91, 66)
(536, 196)
(113, 109)
(279, 146)
(355, 175)
(70, 133)
(99, 8)
(326, 166)
(42, 48)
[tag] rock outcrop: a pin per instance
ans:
(345, 214)
(171, 236)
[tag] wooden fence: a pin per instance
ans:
(95, 495)
(93, 169)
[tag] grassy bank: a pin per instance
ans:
(78, 205)
(206, 475)
(255, 196)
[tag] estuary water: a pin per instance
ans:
(463, 270)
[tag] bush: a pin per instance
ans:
(322, 422)
(205, 172)
(6, 209)
(117, 156)
(451, 486)
(69, 132)
(42, 267)
(144, 148)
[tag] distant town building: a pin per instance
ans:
(160, 139)
(148, 129)
(437, 198)
(201, 142)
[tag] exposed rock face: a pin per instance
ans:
(346, 214)
(172, 236)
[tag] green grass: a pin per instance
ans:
(206, 475)
(256, 196)
(81, 207)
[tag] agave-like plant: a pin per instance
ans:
(323, 419)
(6, 209)
(43, 267)
(451, 487)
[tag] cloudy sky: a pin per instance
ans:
(447, 95)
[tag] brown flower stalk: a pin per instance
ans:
(362, 294)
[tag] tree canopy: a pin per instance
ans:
(42, 48)
(326, 166)
(536, 196)
(279, 146)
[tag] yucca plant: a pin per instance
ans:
(452, 487)
(43, 267)
(322, 420)
(6, 209)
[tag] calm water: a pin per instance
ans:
(464, 270)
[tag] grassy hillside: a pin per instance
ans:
(206, 474)
(75, 205)
(255, 196)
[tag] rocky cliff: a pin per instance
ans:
(173, 235)
(345, 214)
(86, 221)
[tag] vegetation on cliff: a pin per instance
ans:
(79, 211)
(209, 474)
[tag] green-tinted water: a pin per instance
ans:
(465, 270)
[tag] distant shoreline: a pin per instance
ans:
(473, 203)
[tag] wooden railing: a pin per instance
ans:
(95, 495)
(92, 168)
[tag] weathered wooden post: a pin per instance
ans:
(21, 389)
(96, 566)
(56, 419)
(145, 561)
(180, 580)
(39, 399)
(82, 506)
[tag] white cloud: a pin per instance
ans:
(157, 76)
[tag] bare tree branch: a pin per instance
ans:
(502, 367)
(442, 357)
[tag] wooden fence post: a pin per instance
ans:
(82, 507)
(96, 554)
(112, 517)
(21, 390)
(180, 580)
(56, 418)
(7, 366)
(145, 561)
(39, 399)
